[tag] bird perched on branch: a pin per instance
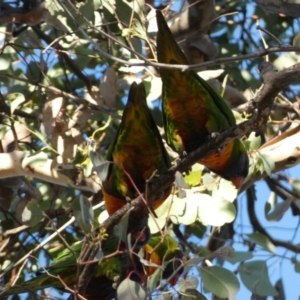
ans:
(102, 286)
(193, 111)
(136, 153)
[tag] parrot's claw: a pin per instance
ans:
(214, 135)
(116, 282)
(177, 161)
(220, 149)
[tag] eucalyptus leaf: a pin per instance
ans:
(263, 241)
(268, 163)
(193, 294)
(191, 282)
(35, 160)
(16, 99)
(220, 281)
(32, 213)
(120, 230)
(101, 165)
(296, 266)
(255, 277)
(255, 141)
(239, 256)
(279, 210)
(83, 213)
(129, 289)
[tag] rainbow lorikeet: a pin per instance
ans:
(136, 153)
(102, 284)
(193, 111)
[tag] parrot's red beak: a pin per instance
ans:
(237, 182)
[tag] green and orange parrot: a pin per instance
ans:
(136, 153)
(193, 111)
(102, 285)
(169, 255)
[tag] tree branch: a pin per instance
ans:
(11, 166)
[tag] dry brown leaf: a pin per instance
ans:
(108, 87)
(50, 112)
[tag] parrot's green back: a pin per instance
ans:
(192, 110)
(137, 150)
(170, 255)
(65, 266)
(101, 284)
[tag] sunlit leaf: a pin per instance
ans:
(35, 160)
(224, 185)
(255, 141)
(32, 213)
(15, 99)
(194, 176)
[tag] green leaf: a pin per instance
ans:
(181, 185)
(120, 230)
(87, 10)
(153, 88)
(296, 39)
(193, 294)
(224, 185)
(215, 212)
(3, 130)
(263, 241)
(32, 213)
(198, 229)
(35, 160)
(255, 141)
(129, 289)
(296, 265)
(16, 100)
(191, 282)
(255, 276)
(268, 163)
(83, 213)
(210, 211)
(279, 210)
(207, 179)
(4, 61)
(194, 177)
(154, 279)
(271, 203)
(239, 256)
(220, 281)
(194, 261)
(101, 165)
